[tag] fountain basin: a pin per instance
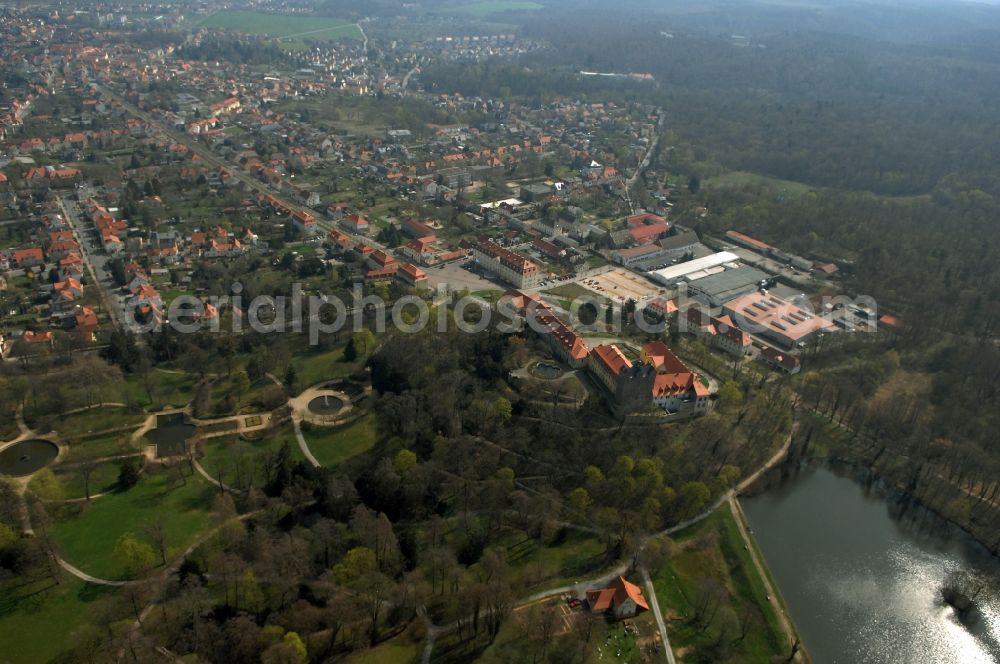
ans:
(326, 405)
(27, 457)
(546, 370)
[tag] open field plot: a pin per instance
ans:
(315, 367)
(394, 651)
(709, 587)
(71, 482)
(334, 445)
(98, 419)
(488, 7)
(162, 388)
(238, 460)
(739, 179)
(113, 444)
(38, 619)
(619, 284)
(281, 25)
(86, 534)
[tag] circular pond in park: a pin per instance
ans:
(546, 370)
(27, 457)
(326, 405)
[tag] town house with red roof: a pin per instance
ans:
(620, 599)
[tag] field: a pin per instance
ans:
(87, 535)
(98, 419)
(282, 25)
(168, 388)
(488, 7)
(38, 619)
(313, 368)
(226, 451)
(104, 478)
(397, 651)
(711, 570)
(335, 445)
(740, 179)
(98, 447)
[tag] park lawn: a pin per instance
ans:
(281, 25)
(170, 295)
(37, 619)
(87, 537)
(491, 295)
(609, 641)
(334, 445)
(713, 549)
(572, 290)
(484, 8)
(173, 388)
(741, 179)
(394, 651)
(103, 479)
(101, 446)
(313, 368)
(226, 450)
(225, 386)
(98, 419)
(537, 567)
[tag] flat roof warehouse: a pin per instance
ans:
(675, 273)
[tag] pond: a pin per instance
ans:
(170, 434)
(863, 586)
(545, 370)
(27, 457)
(326, 405)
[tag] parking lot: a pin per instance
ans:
(619, 285)
(456, 277)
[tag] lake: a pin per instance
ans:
(864, 587)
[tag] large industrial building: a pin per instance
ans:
(695, 268)
(776, 319)
(719, 288)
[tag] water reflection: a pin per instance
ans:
(863, 587)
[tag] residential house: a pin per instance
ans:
(86, 323)
(30, 257)
(779, 360)
(355, 223)
(620, 599)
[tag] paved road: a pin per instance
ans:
(649, 152)
(94, 260)
(302, 444)
(772, 593)
(655, 604)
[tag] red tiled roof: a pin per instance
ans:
(611, 357)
